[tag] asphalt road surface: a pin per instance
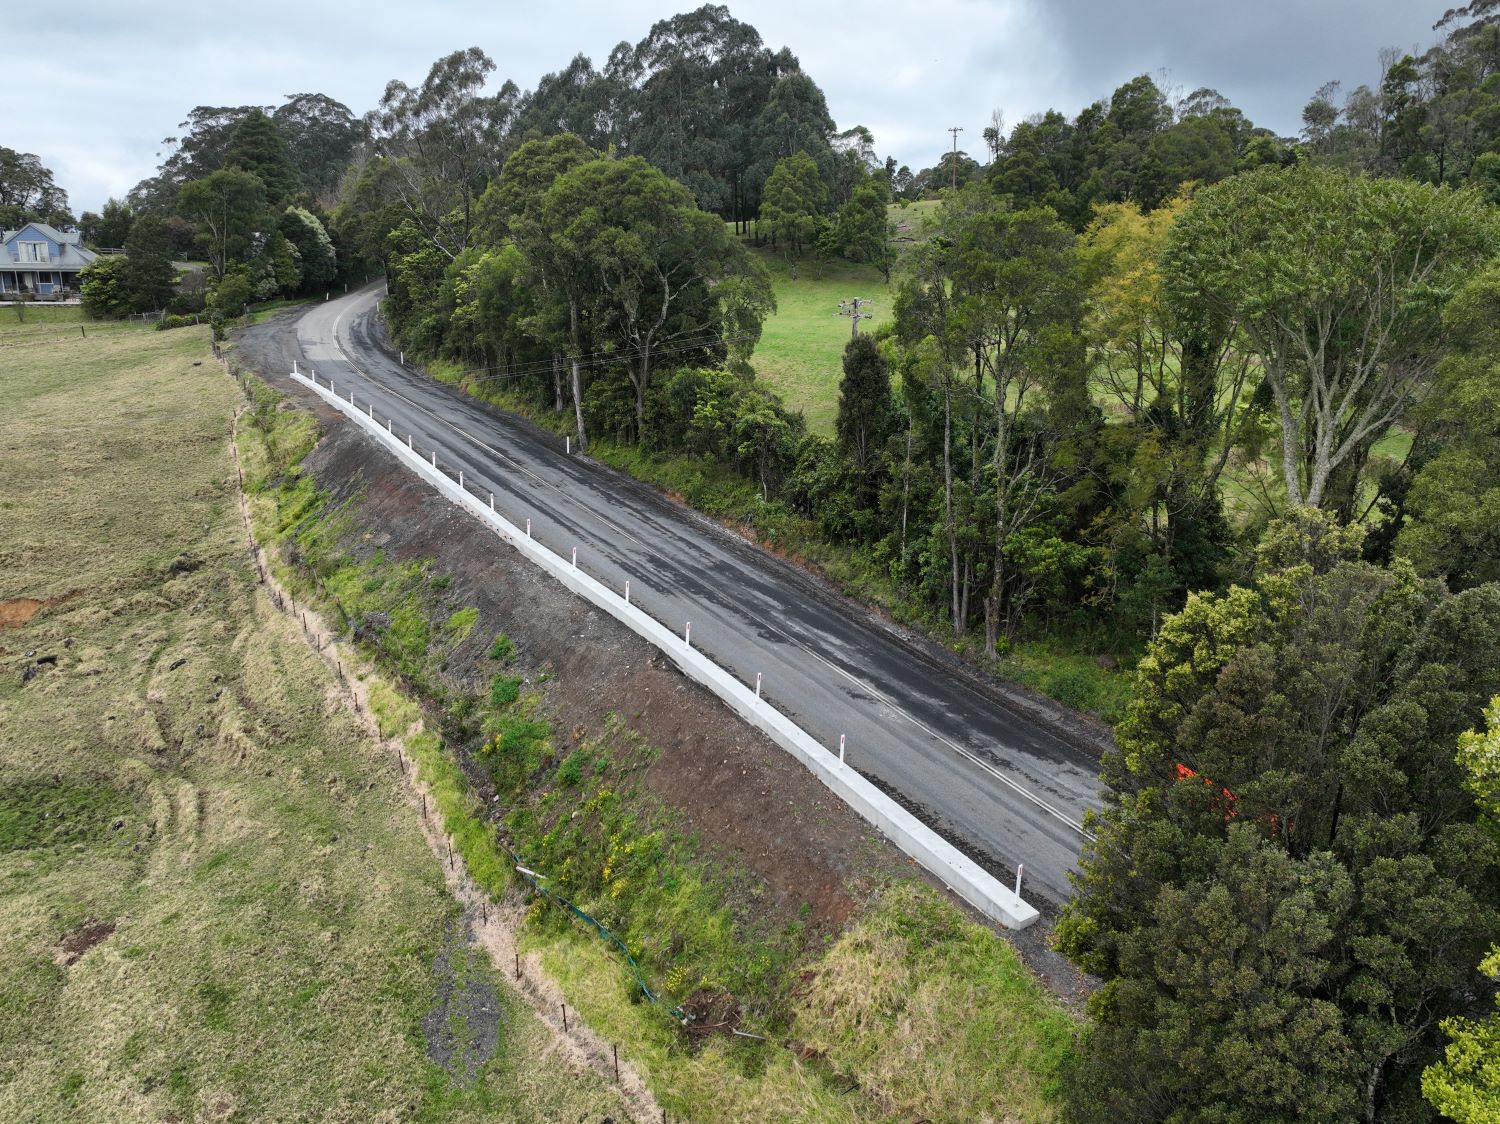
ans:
(986, 770)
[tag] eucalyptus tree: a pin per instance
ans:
(257, 146)
(1017, 306)
(1338, 283)
(229, 209)
(443, 141)
(322, 135)
(662, 276)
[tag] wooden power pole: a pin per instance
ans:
(854, 310)
(953, 162)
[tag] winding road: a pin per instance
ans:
(990, 771)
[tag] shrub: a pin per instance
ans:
(504, 690)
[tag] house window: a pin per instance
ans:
(34, 251)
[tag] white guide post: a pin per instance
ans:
(841, 749)
(757, 685)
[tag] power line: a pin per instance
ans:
(510, 372)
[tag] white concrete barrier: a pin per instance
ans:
(956, 870)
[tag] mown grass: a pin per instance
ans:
(40, 312)
(801, 348)
(186, 774)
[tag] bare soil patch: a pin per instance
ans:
(19, 610)
(77, 942)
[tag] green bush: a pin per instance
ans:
(503, 649)
(166, 323)
(504, 690)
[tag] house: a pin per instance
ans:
(41, 261)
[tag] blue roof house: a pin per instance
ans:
(40, 261)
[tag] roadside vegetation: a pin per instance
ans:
(214, 902)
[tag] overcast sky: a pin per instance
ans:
(98, 88)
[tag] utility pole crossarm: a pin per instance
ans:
(853, 310)
(953, 161)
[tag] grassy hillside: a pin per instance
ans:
(214, 903)
(802, 346)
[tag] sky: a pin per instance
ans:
(94, 94)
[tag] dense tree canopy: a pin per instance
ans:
(1290, 884)
(28, 193)
(1338, 283)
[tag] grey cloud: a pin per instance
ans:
(121, 76)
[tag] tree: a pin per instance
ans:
(443, 142)
(1338, 283)
(1178, 378)
(513, 207)
(315, 252)
(1289, 887)
(864, 232)
(1465, 1085)
(660, 266)
(1016, 308)
(792, 200)
(577, 100)
(1450, 524)
(28, 193)
(150, 276)
(104, 293)
(229, 207)
(110, 229)
(866, 414)
(794, 120)
(257, 146)
(698, 82)
(321, 135)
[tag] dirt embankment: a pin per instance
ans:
(743, 797)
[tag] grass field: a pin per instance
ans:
(801, 347)
(214, 903)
